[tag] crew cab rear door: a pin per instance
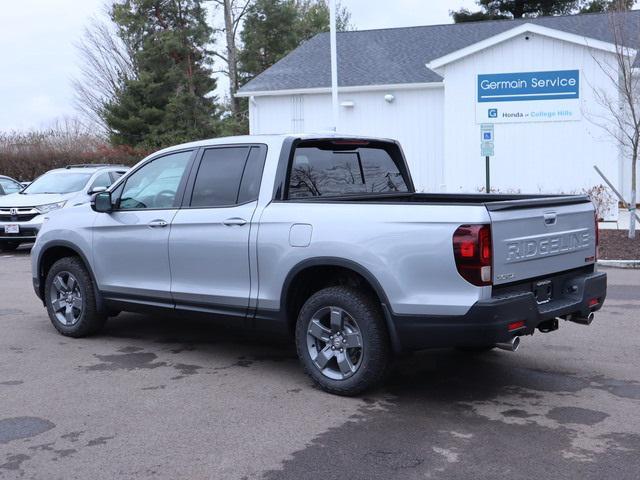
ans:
(209, 239)
(537, 237)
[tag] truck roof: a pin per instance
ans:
(269, 139)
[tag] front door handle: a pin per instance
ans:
(158, 224)
(229, 222)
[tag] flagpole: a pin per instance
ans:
(334, 65)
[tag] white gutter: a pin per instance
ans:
(351, 89)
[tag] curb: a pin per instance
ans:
(619, 263)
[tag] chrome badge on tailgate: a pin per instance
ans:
(547, 245)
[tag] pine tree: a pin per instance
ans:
(170, 101)
(498, 9)
(273, 28)
(597, 6)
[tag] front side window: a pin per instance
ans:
(58, 182)
(219, 176)
(326, 170)
(155, 184)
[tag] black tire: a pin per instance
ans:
(9, 246)
(90, 320)
(374, 356)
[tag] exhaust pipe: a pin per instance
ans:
(512, 345)
(583, 320)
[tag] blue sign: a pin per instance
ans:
(486, 136)
(526, 86)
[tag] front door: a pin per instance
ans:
(131, 243)
(209, 240)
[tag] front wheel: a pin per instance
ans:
(71, 300)
(342, 340)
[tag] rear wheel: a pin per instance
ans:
(9, 246)
(70, 299)
(342, 340)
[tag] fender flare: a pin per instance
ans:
(63, 243)
(355, 267)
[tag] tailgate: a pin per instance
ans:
(540, 237)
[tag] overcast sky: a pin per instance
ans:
(39, 59)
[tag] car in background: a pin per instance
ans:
(22, 213)
(8, 185)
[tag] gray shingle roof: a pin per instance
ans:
(399, 55)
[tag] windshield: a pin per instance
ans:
(58, 182)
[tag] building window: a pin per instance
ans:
(297, 113)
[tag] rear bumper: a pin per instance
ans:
(487, 321)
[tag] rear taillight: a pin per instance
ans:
(472, 252)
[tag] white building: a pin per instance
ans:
(432, 87)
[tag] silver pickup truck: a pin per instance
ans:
(324, 238)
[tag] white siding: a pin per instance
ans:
(414, 118)
(441, 139)
(530, 157)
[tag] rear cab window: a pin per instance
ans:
(338, 168)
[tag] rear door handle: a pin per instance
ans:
(229, 222)
(158, 224)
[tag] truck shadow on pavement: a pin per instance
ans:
(449, 415)
(441, 413)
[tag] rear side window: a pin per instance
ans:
(328, 170)
(219, 176)
(250, 185)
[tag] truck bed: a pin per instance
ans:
(492, 201)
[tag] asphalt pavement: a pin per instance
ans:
(163, 397)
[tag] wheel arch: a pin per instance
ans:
(335, 268)
(53, 252)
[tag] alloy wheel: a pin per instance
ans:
(66, 299)
(334, 343)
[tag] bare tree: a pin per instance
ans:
(233, 12)
(622, 102)
(106, 64)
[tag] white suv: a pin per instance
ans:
(22, 213)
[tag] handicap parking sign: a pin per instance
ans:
(487, 138)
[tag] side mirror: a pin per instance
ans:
(97, 190)
(101, 202)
